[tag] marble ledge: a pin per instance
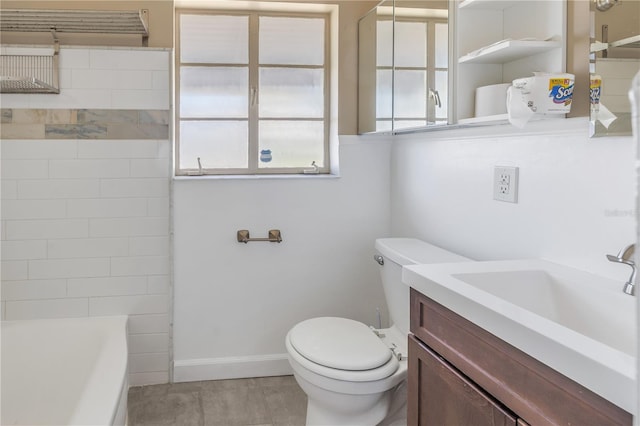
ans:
(84, 124)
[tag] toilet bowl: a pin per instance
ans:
(354, 374)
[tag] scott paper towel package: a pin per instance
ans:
(544, 93)
(595, 90)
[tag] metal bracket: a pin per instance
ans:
(274, 236)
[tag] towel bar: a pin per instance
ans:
(274, 236)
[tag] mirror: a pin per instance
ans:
(614, 61)
(403, 68)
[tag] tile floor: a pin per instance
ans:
(276, 401)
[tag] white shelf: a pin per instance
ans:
(485, 119)
(487, 4)
(503, 118)
(507, 51)
(627, 42)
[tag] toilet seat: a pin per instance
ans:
(341, 349)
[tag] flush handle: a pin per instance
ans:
(378, 259)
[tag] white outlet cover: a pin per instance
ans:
(505, 184)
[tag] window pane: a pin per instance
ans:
(288, 92)
(292, 41)
(442, 86)
(292, 143)
(384, 43)
(383, 125)
(214, 92)
(410, 44)
(442, 46)
(409, 94)
(219, 144)
(408, 124)
(384, 94)
(214, 39)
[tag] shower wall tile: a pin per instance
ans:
(69, 268)
(147, 343)
(75, 131)
(125, 305)
(134, 227)
(8, 189)
(34, 289)
(143, 379)
(47, 308)
(37, 149)
(148, 324)
(149, 168)
(24, 250)
(24, 168)
(14, 270)
(74, 58)
(22, 131)
(46, 229)
(6, 116)
(89, 168)
(33, 209)
(140, 265)
(149, 246)
(42, 189)
(147, 363)
(85, 199)
(148, 149)
(105, 207)
(153, 117)
(108, 286)
(158, 284)
(135, 187)
(87, 247)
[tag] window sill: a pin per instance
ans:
(257, 177)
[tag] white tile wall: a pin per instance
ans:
(85, 223)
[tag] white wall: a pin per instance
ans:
(85, 223)
(234, 303)
(576, 195)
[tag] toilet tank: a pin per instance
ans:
(398, 252)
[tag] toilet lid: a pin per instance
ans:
(339, 343)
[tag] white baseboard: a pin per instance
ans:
(191, 370)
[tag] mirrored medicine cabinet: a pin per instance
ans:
(613, 62)
(421, 61)
(403, 66)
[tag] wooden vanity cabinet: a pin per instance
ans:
(447, 397)
(460, 374)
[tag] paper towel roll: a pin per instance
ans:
(491, 100)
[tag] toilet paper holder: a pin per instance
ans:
(274, 236)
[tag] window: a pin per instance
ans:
(413, 53)
(252, 93)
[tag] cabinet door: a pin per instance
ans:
(439, 395)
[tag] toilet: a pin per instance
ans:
(354, 374)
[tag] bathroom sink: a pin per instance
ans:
(580, 324)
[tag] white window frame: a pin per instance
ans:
(253, 113)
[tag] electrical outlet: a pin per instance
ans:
(505, 184)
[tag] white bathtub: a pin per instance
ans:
(64, 371)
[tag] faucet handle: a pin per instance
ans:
(627, 252)
(626, 257)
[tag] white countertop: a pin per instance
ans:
(577, 323)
